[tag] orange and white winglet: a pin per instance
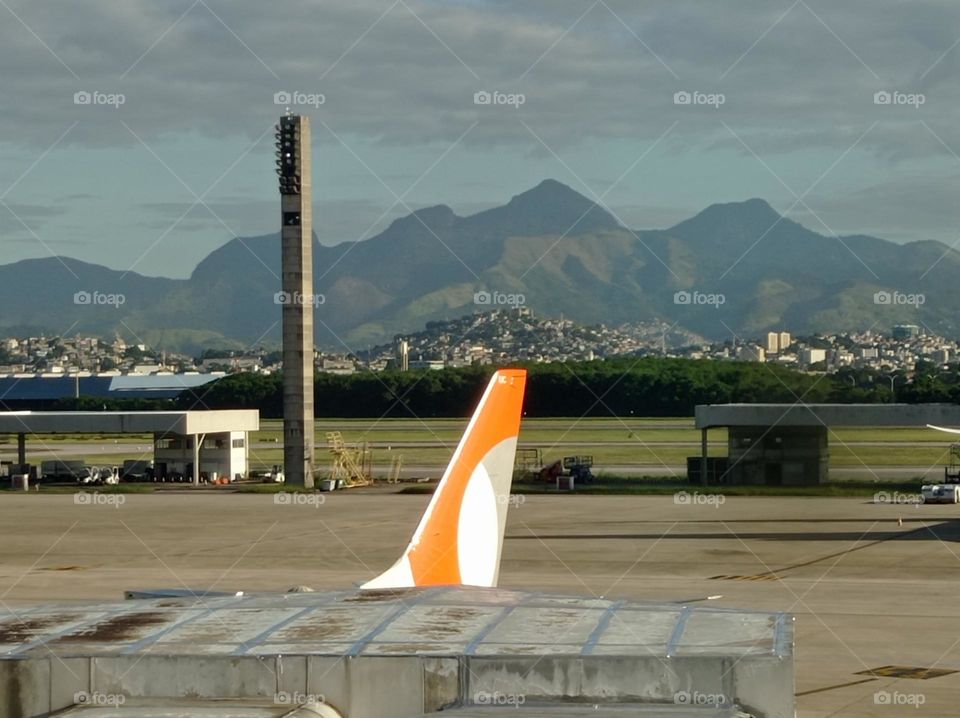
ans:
(460, 536)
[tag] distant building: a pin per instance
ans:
(810, 355)
(427, 364)
(941, 356)
(242, 363)
(403, 355)
(777, 342)
(842, 357)
(337, 366)
(773, 342)
(905, 331)
(752, 352)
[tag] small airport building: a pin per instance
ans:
(789, 444)
(189, 444)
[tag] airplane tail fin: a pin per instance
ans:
(460, 536)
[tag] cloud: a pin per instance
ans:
(409, 75)
(398, 82)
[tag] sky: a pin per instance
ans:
(139, 135)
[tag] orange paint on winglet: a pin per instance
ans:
(435, 559)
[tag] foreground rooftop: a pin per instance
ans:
(399, 653)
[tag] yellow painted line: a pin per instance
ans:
(831, 688)
(755, 577)
(912, 672)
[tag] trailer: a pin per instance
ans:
(940, 493)
(61, 470)
(137, 470)
(949, 491)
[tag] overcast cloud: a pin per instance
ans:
(398, 80)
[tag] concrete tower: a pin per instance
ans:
(293, 167)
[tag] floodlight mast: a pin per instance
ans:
(297, 299)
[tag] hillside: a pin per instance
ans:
(563, 254)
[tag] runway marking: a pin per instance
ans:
(831, 688)
(920, 674)
(755, 577)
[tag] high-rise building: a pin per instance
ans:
(777, 342)
(293, 168)
(812, 355)
(773, 342)
(403, 355)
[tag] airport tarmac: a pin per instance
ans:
(867, 592)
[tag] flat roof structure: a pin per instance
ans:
(788, 444)
(260, 709)
(716, 415)
(196, 425)
(183, 423)
(400, 653)
(31, 387)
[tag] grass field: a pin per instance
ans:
(428, 444)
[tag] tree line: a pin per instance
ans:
(649, 386)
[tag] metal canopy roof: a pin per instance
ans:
(125, 386)
(129, 422)
(798, 414)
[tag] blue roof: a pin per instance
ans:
(147, 386)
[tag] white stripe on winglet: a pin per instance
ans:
(478, 531)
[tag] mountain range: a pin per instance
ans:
(733, 268)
